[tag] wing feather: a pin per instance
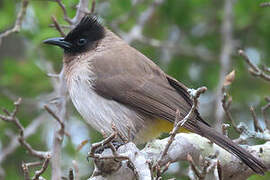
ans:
(134, 80)
(150, 96)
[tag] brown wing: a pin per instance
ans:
(134, 80)
(182, 91)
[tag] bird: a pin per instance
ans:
(110, 82)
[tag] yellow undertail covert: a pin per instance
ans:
(160, 126)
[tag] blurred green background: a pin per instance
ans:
(182, 36)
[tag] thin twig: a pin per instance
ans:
(93, 6)
(57, 26)
(33, 164)
(17, 26)
(266, 120)
(66, 18)
(39, 154)
(122, 19)
(195, 95)
(257, 127)
(226, 103)
(175, 129)
(166, 167)
(111, 146)
(55, 116)
(81, 11)
(136, 32)
(115, 156)
(11, 117)
(14, 143)
(43, 168)
(25, 172)
(193, 167)
(100, 144)
(254, 69)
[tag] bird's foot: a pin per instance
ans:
(95, 152)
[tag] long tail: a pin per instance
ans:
(255, 164)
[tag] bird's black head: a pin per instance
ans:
(82, 38)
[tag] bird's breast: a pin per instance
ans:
(99, 112)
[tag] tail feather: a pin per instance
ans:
(255, 164)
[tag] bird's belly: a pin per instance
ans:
(102, 113)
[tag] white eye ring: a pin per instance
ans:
(81, 42)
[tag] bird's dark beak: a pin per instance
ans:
(58, 42)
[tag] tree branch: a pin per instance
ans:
(43, 168)
(136, 31)
(61, 92)
(254, 69)
(225, 58)
(11, 117)
(177, 123)
(81, 11)
(257, 127)
(187, 144)
(263, 110)
(226, 104)
(57, 26)
(17, 26)
(62, 6)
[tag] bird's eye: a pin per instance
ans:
(81, 42)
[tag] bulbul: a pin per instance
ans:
(109, 82)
